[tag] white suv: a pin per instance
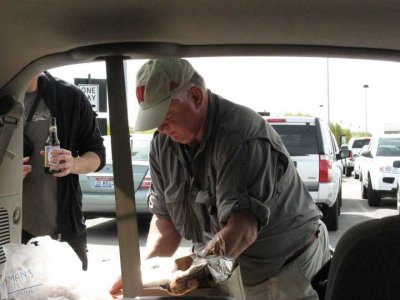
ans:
(354, 145)
(315, 152)
(378, 176)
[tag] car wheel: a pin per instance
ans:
(356, 175)
(372, 195)
(348, 172)
(339, 200)
(331, 216)
(363, 189)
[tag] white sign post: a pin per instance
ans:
(92, 93)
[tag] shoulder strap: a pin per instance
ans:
(10, 113)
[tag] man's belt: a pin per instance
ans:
(299, 252)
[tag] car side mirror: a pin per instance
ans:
(367, 154)
(396, 164)
(344, 153)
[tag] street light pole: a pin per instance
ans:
(366, 86)
(327, 90)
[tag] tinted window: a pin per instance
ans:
(298, 139)
(360, 143)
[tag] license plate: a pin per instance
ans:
(104, 182)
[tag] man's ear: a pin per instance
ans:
(197, 96)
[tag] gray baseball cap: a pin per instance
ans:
(156, 81)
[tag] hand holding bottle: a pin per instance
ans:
(60, 162)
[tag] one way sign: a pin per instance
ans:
(96, 92)
(92, 93)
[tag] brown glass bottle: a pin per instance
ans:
(52, 142)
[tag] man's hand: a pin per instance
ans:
(116, 289)
(60, 159)
(26, 169)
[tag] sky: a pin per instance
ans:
(282, 85)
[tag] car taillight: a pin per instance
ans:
(276, 120)
(146, 181)
(351, 155)
(325, 169)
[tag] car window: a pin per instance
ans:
(364, 149)
(139, 148)
(298, 139)
(328, 148)
(389, 147)
(334, 143)
(360, 143)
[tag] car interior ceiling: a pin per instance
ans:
(97, 30)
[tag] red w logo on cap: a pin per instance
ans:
(140, 93)
(173, 85)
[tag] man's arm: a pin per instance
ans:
(238, 234)
(163, 239)
(87, 163)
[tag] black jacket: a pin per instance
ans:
(78, 131)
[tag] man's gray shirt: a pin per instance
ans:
(240, 164)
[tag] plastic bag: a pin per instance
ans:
(46, 269)
(206, 268)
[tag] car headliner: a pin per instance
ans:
(38, 35)
(84, 30)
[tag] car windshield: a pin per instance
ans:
(389, 147)
(298, 139)
(139, 148)
(360, 143)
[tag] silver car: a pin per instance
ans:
(98, 199)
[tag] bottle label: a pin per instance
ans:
(47, 155)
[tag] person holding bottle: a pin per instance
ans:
(58, 112)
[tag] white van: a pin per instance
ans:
(315, 152)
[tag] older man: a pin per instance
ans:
(218, 167)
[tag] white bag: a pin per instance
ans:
(50, 270)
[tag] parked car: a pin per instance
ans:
(396, 164)
(378, 176)
(98, 198)
(315, 152)
(354, 145)
(358, 162)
